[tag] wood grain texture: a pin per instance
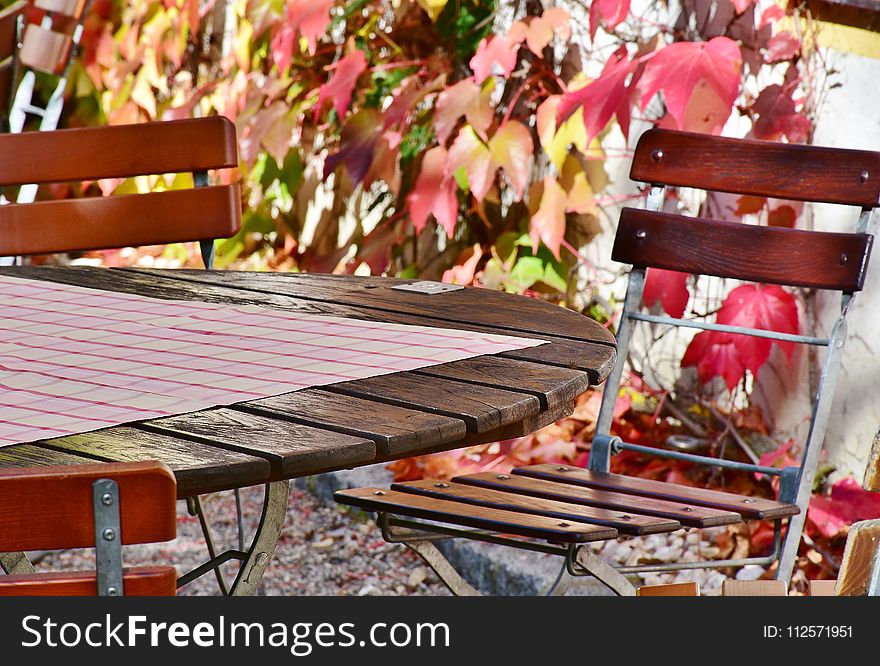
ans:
(782, 256)
(33, 455)
(396, 430)
(290, 448)
(625, 523)
(552, 386)
(49, 508)
(45, 51)
(751, 508)
(754, 588)
(137, 582)
(822, 588)
(690, 589)
(761, 168)
(118, 151)
(871, 480)
(197, 468)
(480, 407)
(687, 515)
(859, 555)
(505, 311)
(508, 522)
(94, 223)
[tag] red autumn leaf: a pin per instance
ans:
(611, 12)
(749, 205)
(467, 99)
(469, 152)
(604, 97)
(782, 46)
(344, 75)
(783, 216)
(548, 223)
(668, 287)
(772, 13)
(678, 68)
(848, 503)
(496, 53)
(465, 266)
(434, 193)
(541, 29)
(768, 307)
(777, 116)
(511, 149)
(715, 355)
(311, 18)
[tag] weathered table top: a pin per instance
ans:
(353, 423)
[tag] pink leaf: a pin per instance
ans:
(434, 193)
(495, 53)
(680, 67)
(741, 5)
(782, 46)
(610, 93)
(340, 86)
(777, 116)
(463, 272)
(848, 503)
(611, 12)
(469, 151)
(715, 355)
(548, 224)
(311, 18)
(542, 28)
(464, 98)
(767, 307)
(668, 287)
(511, 149)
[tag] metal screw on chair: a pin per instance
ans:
(379, 492)
(109, 534)
(106, 499)
(441, 485)
(843, 259)
(864, 176)
(626, 517)
(748, 501)
(641, 234)
(562, 469)
(502, 477)
(656, 154)
(112, 591)
(564, 525)
(687, 508)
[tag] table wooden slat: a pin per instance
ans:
(32, 455)
(397, 431)
(291, 448)
(480, 407)
(198, 468)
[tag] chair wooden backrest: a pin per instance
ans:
(831, 261)
(198, 214)
(10, 28)
(103, 506)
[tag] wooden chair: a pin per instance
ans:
(104, 506)
(11, 21)
(565, 506)
(47, 48)
(199, 214)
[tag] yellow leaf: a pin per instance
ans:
(556, 142)
(433, 7)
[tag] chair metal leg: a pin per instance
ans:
(582, 562)
(16, 563)
(265, 540)
(443, 568)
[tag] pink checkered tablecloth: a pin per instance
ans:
(74, 359)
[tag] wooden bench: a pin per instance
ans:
(560, 508)
(103, 506)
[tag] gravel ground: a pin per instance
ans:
(323, 551)
(327, 551)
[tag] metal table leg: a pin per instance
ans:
(265, 540)
(16, 563)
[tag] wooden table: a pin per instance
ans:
(349, 424)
